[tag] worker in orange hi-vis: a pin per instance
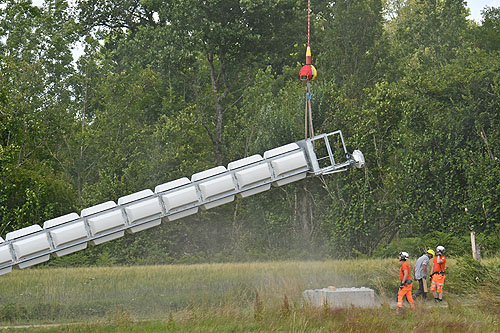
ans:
(438, 274)
(406, 283)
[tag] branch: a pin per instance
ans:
(55, 157)
(485, 139)
(201, 112)
(25, 156)
(238, 99)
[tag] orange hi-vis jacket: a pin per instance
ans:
(439, 267)
(404, 267)
(437, 282)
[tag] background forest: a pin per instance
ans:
(168, 88)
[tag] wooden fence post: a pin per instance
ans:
(475, 249)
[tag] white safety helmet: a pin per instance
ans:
(403, 255)
(440, 249)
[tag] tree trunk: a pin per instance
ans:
(218, 97)
(304, 217)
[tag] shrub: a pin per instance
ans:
(466, 276)
(455, 245)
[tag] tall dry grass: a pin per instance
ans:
(229, 297)
(148, 291)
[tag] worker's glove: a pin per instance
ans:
(408, 282)
(401, 285)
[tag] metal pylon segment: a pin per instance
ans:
(136, 212)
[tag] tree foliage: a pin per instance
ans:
(166, 89)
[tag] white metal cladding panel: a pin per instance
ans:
(216, 186)
(218, 202)
(71, 249)
(135, 196)
(281, 150)
(108, 238)
(253, 191)
(143, 209)
(60, 220)
(244, 161)
(31, 245)
(35, 261)
(180, 198)
(289, 180)
(182, 214)
(22, 232)
(106, 221)
(144, 226)
(6, 270)
(289, 163)
(208, 173)
(98, 208)
(69, 233)
(172, 184)
(5, 255)
(253, 175)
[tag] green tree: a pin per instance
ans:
(427, 33)
(489, 30)
(35, 68)
(350, 44)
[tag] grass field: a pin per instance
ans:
(237, 297)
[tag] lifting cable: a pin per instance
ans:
(308, 73)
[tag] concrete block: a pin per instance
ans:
(341, 297)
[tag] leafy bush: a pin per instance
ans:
(466, 276)
(489, 292)
(455, 245)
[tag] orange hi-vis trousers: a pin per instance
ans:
(437, 282)
(406, 290)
